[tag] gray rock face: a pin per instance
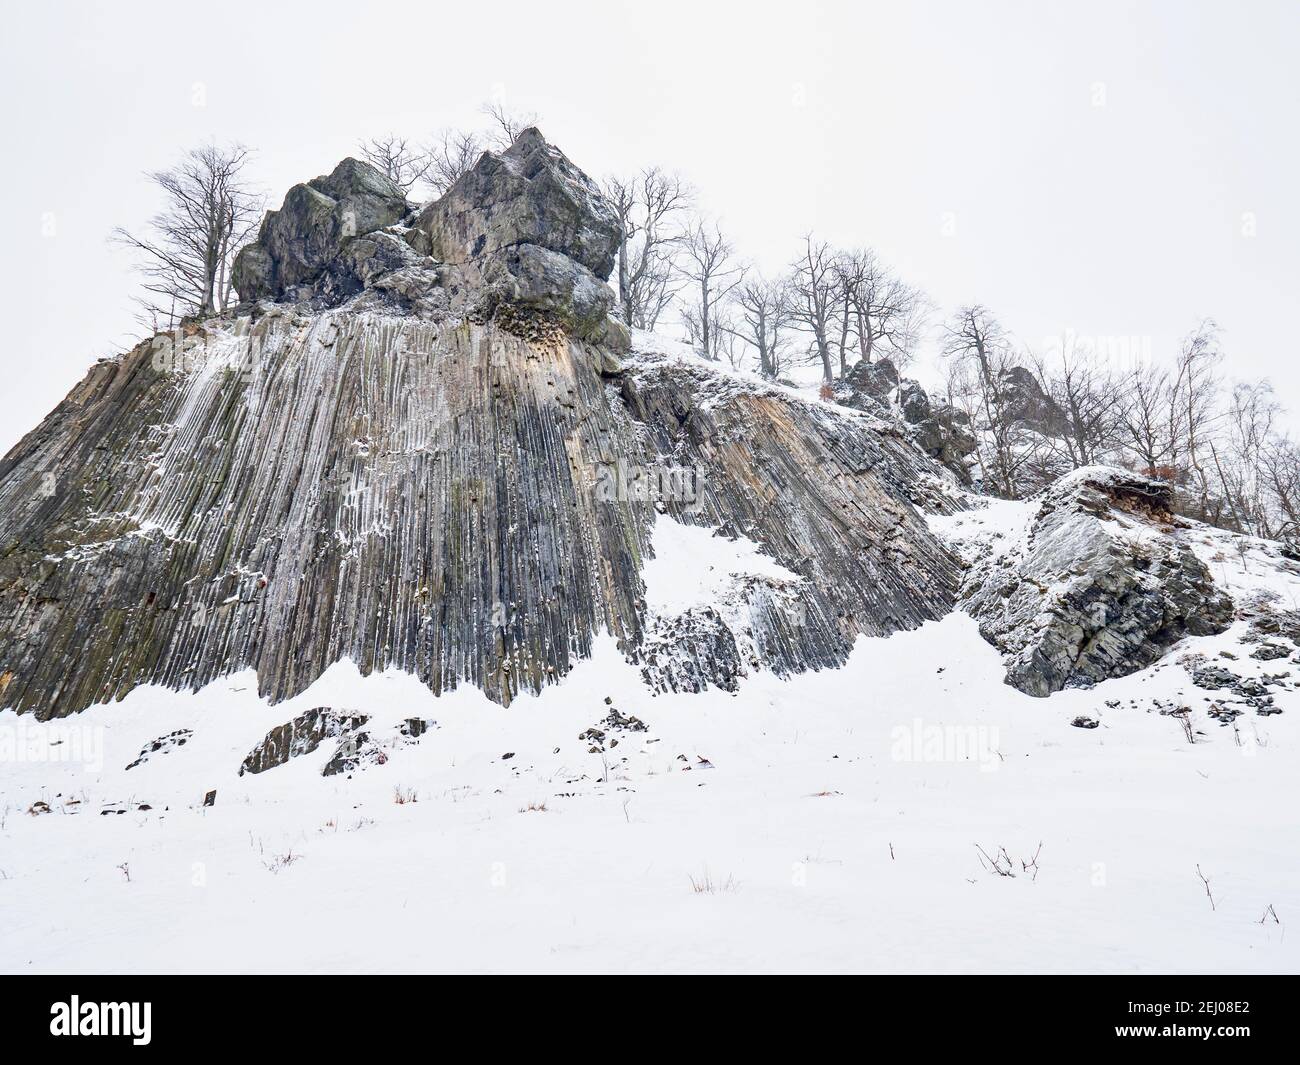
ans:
(939, 429)
(546, 286)
(428, 497)
(298, 241)
(529, 194)
(524, 235)
(1023, 400)
(1099, 586)
(876, 379)
(527, 230)
(665, 668)
(300, 736)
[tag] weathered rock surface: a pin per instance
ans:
(1023, 401)
(523, 236)
(941, 430)
(877, 379)
(528, 194)
(300, 736)
(1098, 587)
(297, 242)
(425, 497)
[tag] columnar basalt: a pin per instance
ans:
(398, 452)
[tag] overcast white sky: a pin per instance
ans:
(1115, 169)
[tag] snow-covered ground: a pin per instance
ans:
(827, 822)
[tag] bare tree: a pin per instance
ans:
(1280, 470)
(814, 292)
(403, 163)
(1144, 420)
(506, 125)
(844, 267)
(887, 314)
(728, 342)
(762, 321)
(974, 335)
(712, 271)
(1083, 387)
(649, 207)
(451, 155)
(209, 212)
(453, 152)
(980, 355)
(1191, 408)
(1241, 464)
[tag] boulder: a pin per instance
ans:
(301, 736)
(939, 429)
(298, 241)
(1023, 401)
(529, 194)
(1099, 585)
(876, 379)
(533, 279)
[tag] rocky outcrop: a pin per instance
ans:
(868, 380)
(1098, 586)
(941, 430)
(426, 497)
(1023, 401)
(300, 736)
(422, 464)
(424, 444)
(524, 236)
(529, 194)
(296, 243)
(527, 230)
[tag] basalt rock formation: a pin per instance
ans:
(299, 241)
(1098, 586)
(423, 443)
(1023, 401)
(938, 428)
(524, 229)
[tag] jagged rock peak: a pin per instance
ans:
(297, 242)
(524, 235)
(529, 194)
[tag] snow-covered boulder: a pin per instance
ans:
(300, 736)
(1099, 585)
